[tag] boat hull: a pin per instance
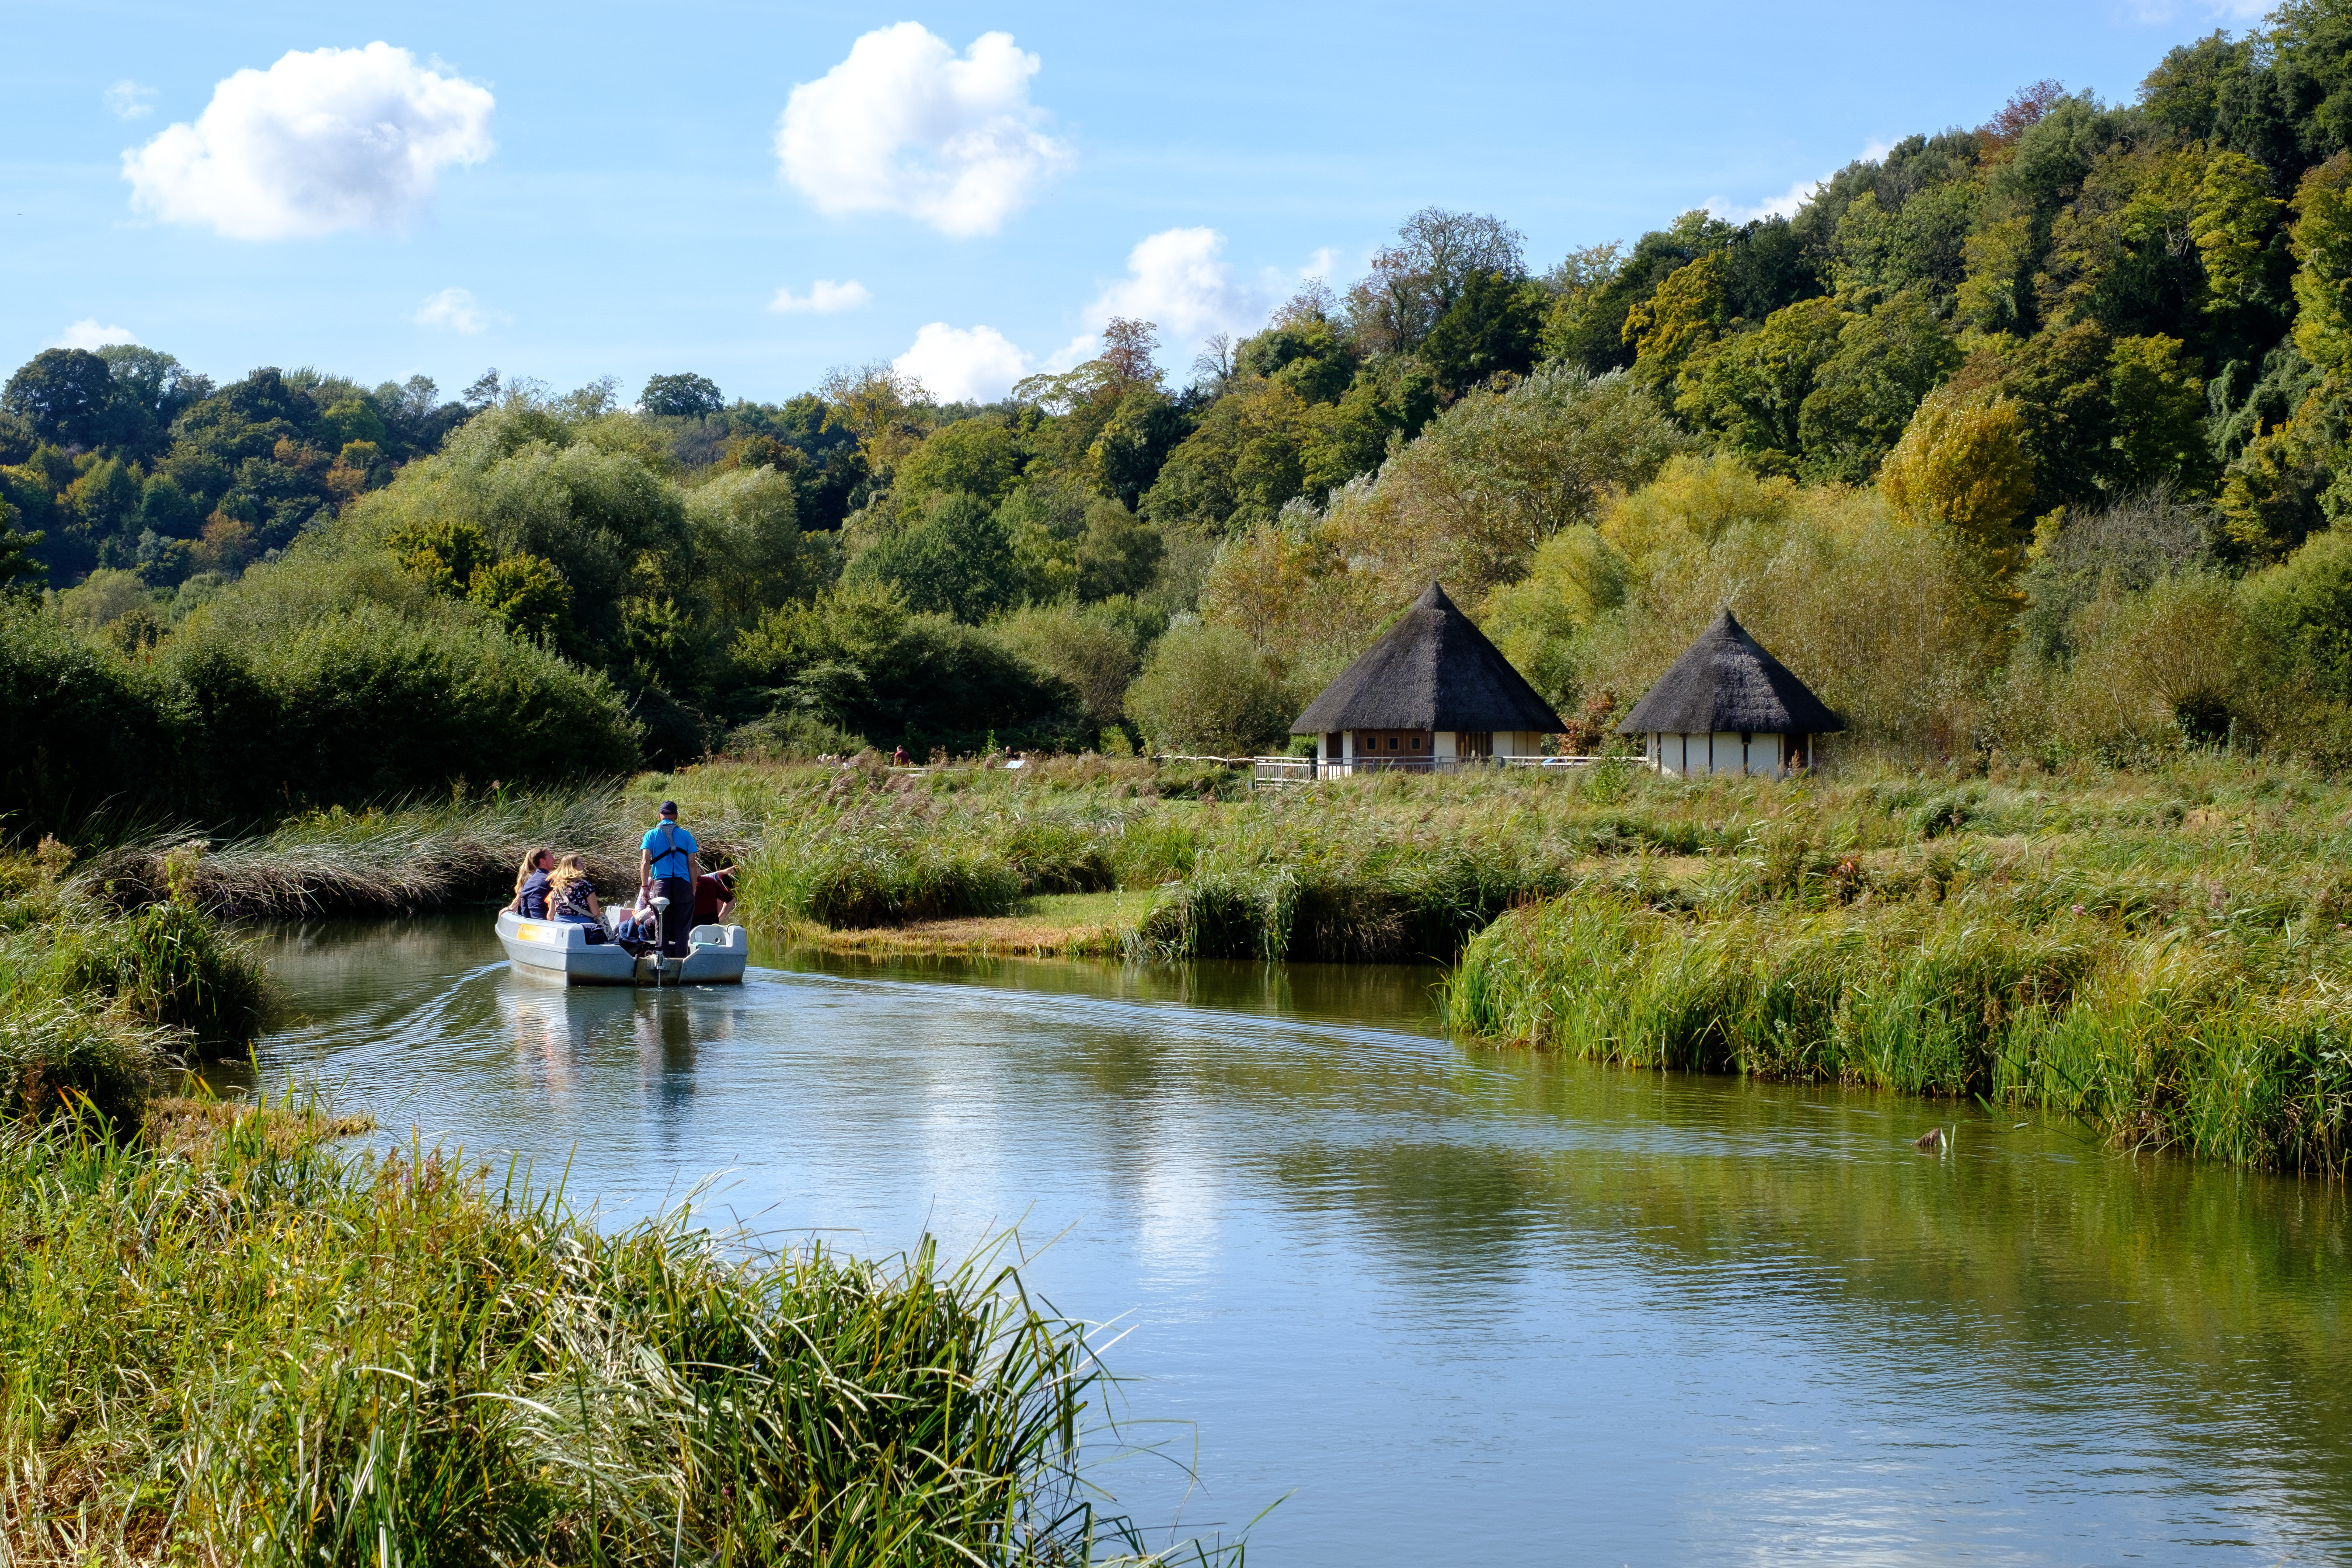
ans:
(559, 950)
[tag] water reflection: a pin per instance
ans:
(1462, 1303)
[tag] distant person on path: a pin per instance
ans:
(714, 896)
(666, 864)
(899, 758)
(530, 899)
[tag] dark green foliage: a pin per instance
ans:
(65, 396)
(682, 397)
(957, 561)
(359, 706)
(79, 728)
(859, 661)
(1490, 331)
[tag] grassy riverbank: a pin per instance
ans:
(226, 1341)
(98, 1004)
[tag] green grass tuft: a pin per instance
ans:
(265, 1349)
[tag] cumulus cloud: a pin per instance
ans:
(454, 309)
(964, 363)
(1180, 281)
(1786, 204)
(86, 333)
(331, 140)
(2165, 11)
(825, 297)
(126, 100)
(906, 125)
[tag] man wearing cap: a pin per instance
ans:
(666, 864)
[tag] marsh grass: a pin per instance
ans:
(98, 1006)
(2231, 1044)
(2022, 933)
(383, 860)
(236, 1343)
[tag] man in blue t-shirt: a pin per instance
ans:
(666, 864)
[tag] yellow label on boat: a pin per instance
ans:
(527, 933)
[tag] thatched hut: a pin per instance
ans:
(1432, 694)
(1728, 706)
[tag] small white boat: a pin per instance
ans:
(561, 950)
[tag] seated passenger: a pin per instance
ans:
(634, 927)
(530, 899)
(714, 896)
(572, 897)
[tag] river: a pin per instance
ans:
(1446, 1303)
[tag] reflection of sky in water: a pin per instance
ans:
(1460, 1304)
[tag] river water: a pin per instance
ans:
(1446, 1303)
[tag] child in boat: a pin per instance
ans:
(634, 928)
(572, 897)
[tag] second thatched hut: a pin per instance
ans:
(1728, 706)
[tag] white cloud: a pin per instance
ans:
(1179, 280)
(825, 297)
(86, 333)
(1786, 204)
(2162, 10)
(455, 308)
(126, 100)
(331, 140)
(904, 125)
(958, 363)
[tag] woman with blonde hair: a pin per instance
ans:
(530, 899)
(572, 897)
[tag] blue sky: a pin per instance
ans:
(576, 191)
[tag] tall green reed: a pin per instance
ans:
(310, 1355)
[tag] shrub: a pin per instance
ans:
(1206, 688)
(79, 727)
(373, 704)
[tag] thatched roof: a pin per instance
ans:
(1433, 670)
(1726, 682)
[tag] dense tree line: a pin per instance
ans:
(1948, 371)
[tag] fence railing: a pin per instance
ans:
(1307, 769)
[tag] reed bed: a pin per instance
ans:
(97, 1005)
(383, 860)
(245, 1345)
(2222, 1032)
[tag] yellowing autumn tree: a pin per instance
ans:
(1962, 463)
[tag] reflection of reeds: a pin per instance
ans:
(254, 1348)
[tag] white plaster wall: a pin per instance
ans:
(1442, 746)
(1758, 756)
